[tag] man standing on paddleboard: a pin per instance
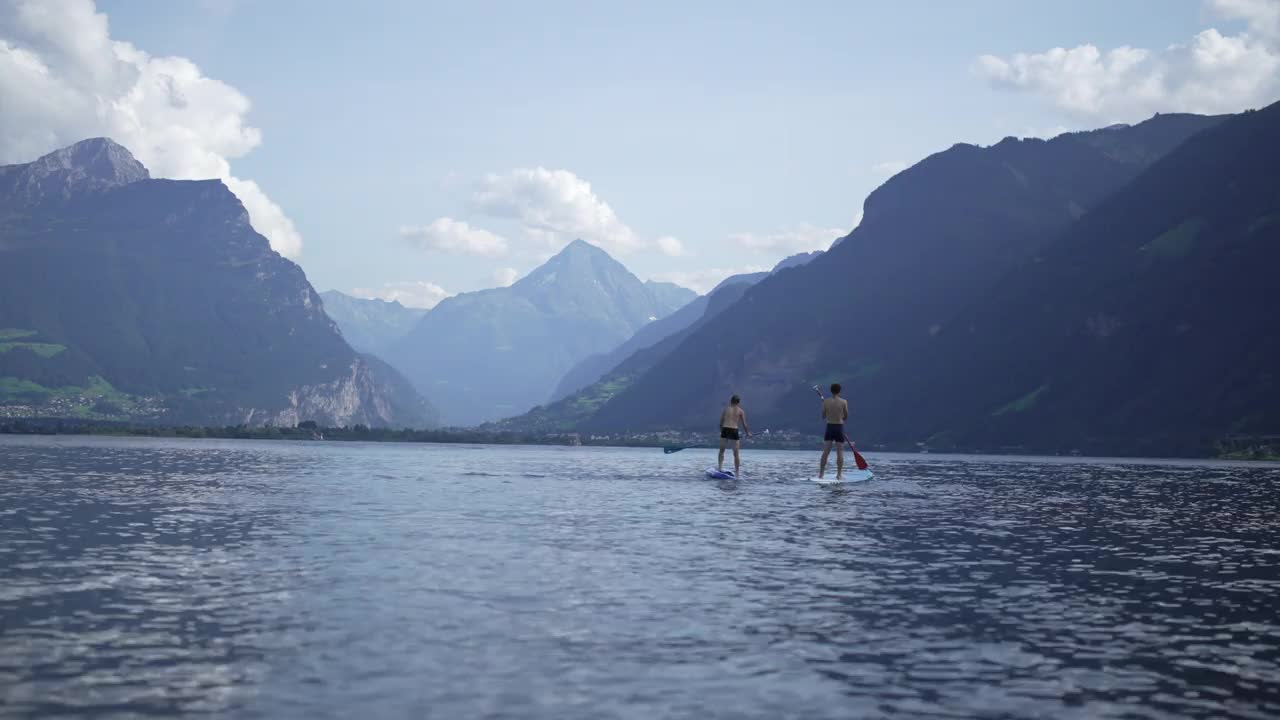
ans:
(730, 418)
(835, 410)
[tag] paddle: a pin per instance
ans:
(857, 456)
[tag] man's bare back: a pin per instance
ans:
(731, 418)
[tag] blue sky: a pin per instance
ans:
(745, 131)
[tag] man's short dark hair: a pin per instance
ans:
(735, 400)
(835, 388)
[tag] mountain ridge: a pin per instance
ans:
(1156, 295)
(497, 352)
(369, 325)
(932, 238)
(126, 296)
(594, 367)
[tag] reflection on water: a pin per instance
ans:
(334, 580)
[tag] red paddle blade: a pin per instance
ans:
(861, 461)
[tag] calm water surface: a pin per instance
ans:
(334, 580)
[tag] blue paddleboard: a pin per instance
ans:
(715, 474)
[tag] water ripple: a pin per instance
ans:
(330, 579)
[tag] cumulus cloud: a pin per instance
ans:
(416, 294)
(505, 276)
(455, 236)
(554, 207)
(801, 238)
(63, 79)
(702, 281)
(670, 246)
(1214, 73)
(1263, 16)
(891, 167)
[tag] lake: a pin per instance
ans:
(338, 580)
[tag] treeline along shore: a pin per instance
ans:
(1236, 448)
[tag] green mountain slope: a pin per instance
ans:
(934, 239)
(1147, 327)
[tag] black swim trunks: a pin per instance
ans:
(835, 432)
(729, 433)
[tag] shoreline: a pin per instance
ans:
(1266, 452)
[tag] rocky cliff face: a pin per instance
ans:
(360, 396)
(89, 166)
(132, 298)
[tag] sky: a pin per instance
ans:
(412, 150)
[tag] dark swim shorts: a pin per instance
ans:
(835, 432)
(728, 433)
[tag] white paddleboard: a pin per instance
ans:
(850, 476)
(715, 474)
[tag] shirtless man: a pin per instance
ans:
(835, 410)
(730, 418)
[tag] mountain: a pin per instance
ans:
(594, 367)
(1147, 327)
(88, 167)
(637, 357)
(370, 325)
(669, 295)
(125, 297)
(495, 353)
(934, 239)
(797, 260)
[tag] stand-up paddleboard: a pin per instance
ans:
(715, 474)
(850, 476)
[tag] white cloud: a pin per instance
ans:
(267, 217)
(410, 294)
(1215, 73)
(1044, 133)
(64, 79)
(505, 276)
(670, 246)
(801, 238)
(702, 281)
(1263, 16)
(891, 167)
(857, 220)
(455, 236)
(554, 207)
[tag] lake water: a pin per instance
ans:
(338, 580)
